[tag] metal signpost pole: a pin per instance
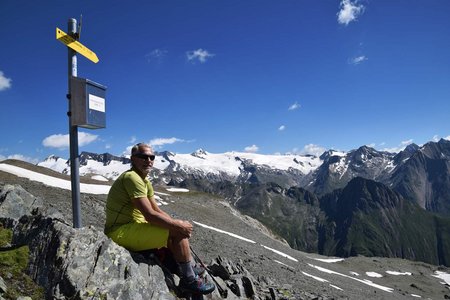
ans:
(79, 99)
(73, 132)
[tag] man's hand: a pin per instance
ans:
(183, 228)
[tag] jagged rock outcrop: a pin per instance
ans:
(76, 263)
(16, 202)
(85, 264)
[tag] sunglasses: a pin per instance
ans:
(145, 156)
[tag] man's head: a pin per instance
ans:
(142, 158)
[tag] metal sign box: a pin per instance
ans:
(87, 103)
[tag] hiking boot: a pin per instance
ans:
(197, 286)
(199, 270)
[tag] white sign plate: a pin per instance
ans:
(96, 103)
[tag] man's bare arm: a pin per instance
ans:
(157, 217)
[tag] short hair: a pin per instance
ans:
(136, 148)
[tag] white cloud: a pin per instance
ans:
(281, 128)
(156, 55)
(5, 83)
(407, 142)
(127, 151)
(349, 11)
(198, 55)
(61, 141)
(436, 138)
(400, 147)
(86, 138)
(358, 60)
(393, 150)
(251, 149)
(158, 142)
(294, 106)
(20, 157)
(56, 141)
(312, 149)
(133, 140)
(404, 144)
(23, 158)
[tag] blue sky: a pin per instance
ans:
(259, 76)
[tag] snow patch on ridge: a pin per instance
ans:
(54, 182)
(231, 164)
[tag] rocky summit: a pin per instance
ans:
(246, 259)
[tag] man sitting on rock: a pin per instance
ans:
(135, 221)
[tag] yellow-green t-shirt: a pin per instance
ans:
(119, 207)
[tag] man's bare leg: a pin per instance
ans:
(182, 253)
(180, 249)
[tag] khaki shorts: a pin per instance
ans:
(140, 236)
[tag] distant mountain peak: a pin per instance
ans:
(411, 148)
(55, 163)
(437, 150)
(52, 158)
(327, 154)
(366, 150)
(200, 153)
(104, 158)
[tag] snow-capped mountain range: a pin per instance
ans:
(341, 203)
(200, 161)
(425, 166)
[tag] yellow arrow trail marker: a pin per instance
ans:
(75, 45)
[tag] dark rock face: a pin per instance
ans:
(293, 213)
(425, 177)
(104, 158)
(370, 219)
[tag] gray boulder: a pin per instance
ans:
(16, 202)
(76, 263)
(85, 264)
